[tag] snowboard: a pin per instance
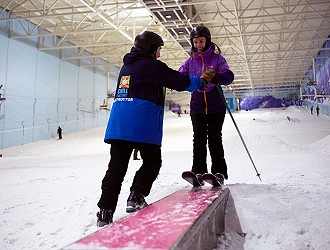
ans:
(191, 178)
(211, 179)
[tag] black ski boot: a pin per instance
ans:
(200, 180)
(104, 217)
(135, 202)
(220, 178)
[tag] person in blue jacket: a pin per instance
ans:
(136, 121)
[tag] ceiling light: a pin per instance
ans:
(168, 16)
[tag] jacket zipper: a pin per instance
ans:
(204, 93)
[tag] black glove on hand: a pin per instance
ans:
(216, 79)
(203, 87)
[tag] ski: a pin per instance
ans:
(191, 178)
(213, 180)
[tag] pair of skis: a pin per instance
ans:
(207, 177)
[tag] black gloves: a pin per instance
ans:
(216, 79)
(224, 78)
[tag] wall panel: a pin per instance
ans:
(20, 87)
(43, 92)
(3, 75)
(68, 95)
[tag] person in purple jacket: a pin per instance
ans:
(207, 109)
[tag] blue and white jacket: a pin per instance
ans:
(138, 109)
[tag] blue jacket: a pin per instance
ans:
(207, 101)
(138, 109)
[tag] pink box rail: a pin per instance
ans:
(157, 226)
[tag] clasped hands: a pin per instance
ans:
(210, 76)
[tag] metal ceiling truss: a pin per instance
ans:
(269, 44)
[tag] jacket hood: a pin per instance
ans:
(136, 54)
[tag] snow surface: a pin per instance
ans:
(49, 189)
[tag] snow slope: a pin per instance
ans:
(49, 189)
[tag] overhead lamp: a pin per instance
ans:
(168, 16)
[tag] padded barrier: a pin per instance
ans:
(187, 219)
(205, 231)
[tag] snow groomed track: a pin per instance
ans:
(187, 219)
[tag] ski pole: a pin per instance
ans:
(239, 133)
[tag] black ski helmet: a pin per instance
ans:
(148, 41)
(200, 31)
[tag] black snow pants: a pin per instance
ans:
(120, 153)
(208, 128)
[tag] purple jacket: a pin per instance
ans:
(207, 101)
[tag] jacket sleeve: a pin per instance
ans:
(226, 75)
(176, 80)
(184, 68)
(195, 83)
